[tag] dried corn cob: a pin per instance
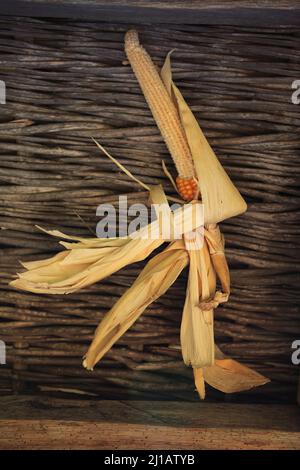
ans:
(164, 113)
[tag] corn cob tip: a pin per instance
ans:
(131, 40)
(187, 188)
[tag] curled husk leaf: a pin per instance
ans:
(229, 376)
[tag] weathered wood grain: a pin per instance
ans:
(66, 82)
(248, 12)
(77, 424)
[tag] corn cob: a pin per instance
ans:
(164, 113)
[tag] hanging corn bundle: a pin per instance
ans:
(202, 180)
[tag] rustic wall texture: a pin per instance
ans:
(66, 82)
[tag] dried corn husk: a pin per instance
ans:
(215, 241)
(199, 382)
(197, 336)
(229, 376)
(220, 197)
(154, 280)
(89, 260)
(83, 265)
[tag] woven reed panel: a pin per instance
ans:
(67, 81)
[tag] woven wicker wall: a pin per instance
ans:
(66, 81)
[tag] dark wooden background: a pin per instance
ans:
(230, 12)
(66, 82)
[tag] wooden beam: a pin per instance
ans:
(44, 423)
(252, 13)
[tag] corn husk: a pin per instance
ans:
(158, 275)
(215, 241)
(199, 381)
(197, 324)
(82, 264)
(87, 261)
(230, 376)
(220, 197)
(227, 376)
(197, 335)
(154, 280)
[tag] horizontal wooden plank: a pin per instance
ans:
(39, 423)
(263, 13)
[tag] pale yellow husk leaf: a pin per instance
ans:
(89, 260)
(229, 376)
(220, 197)
(197, 333)
(77, 268)
(154, 280)
(199, 382)
(197, 342)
